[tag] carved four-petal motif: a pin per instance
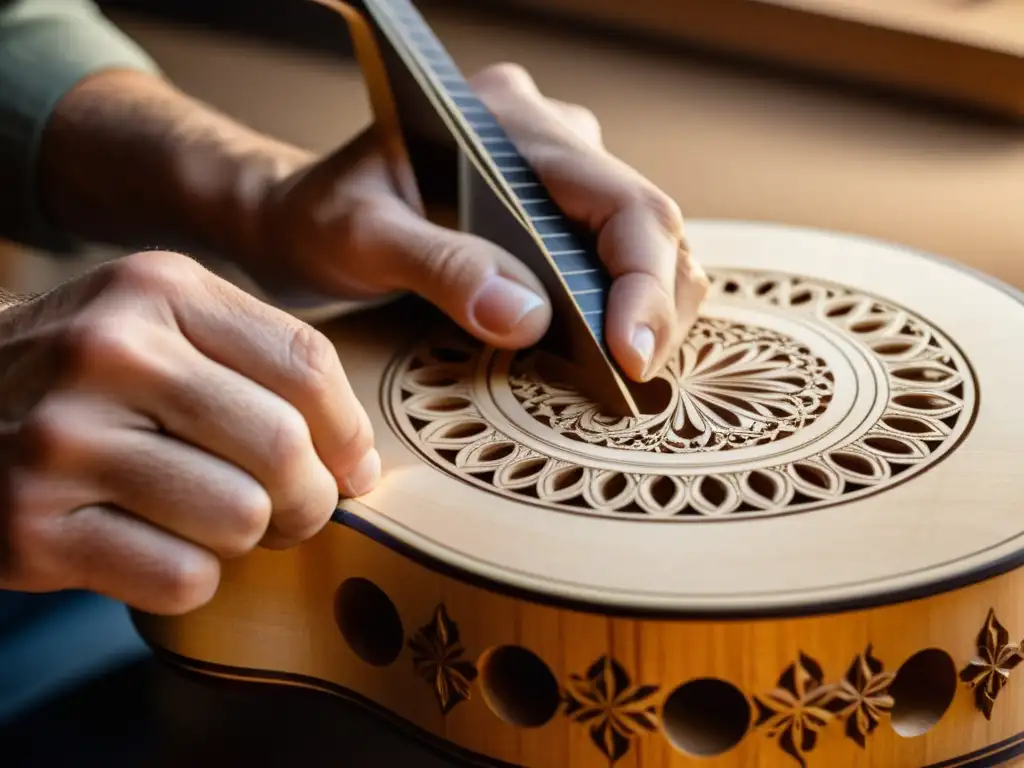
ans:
(796, 711)
(862, 698)
(614, 709)
(436, 657)
(989, 671)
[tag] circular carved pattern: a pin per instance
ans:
(789, 394)
(730, 386)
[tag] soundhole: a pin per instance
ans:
(922, 691)
(369, 622)
(706, 717)
(518, 686)
(651, 397)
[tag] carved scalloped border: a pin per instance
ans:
(933, 396)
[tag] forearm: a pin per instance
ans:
(127, 158)
(96, 145)
(46, 47)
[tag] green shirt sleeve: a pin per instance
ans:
(46, 47)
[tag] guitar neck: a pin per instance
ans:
(570, 250)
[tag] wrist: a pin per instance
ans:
(130, 160)
(229, 190)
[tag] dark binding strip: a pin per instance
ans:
(993, 755)
(354, 522)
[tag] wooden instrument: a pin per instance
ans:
(804, 549)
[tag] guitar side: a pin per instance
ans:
(499, 679)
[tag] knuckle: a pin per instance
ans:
(46, 437)
(506, 78)
(101, 343)
(247, 517)
(302, 505)
(586, 119)
(181, 396)
(701, 283)
(449, 265)
(691, 274)
(663, 209)
(154, 271)
(187, 582)
(359, 442)
(314, 359)
(289, 443)
(303, 521)
(28, 537)
(367, 221)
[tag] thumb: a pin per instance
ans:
(483, 288)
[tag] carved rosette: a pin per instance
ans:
(733, 386)
(754, 409)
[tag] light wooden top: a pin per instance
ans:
(898, 329)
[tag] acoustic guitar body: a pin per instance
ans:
(805, 550)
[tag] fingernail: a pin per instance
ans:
(502, 304)
(643, 343)
(364, 477)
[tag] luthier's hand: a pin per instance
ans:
(128, 158)
(156, 417)
(341, 226)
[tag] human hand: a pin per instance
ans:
(342, 226)
(155, 419)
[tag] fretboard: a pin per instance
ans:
(571, 251)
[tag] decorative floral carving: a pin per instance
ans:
(614, 710)
(862, 698)
(988, 672)
(802, 704)
(436, 657)
(731, 387)
(796, 711)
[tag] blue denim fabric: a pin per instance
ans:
(52, 642)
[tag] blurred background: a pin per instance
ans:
(894, 120)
